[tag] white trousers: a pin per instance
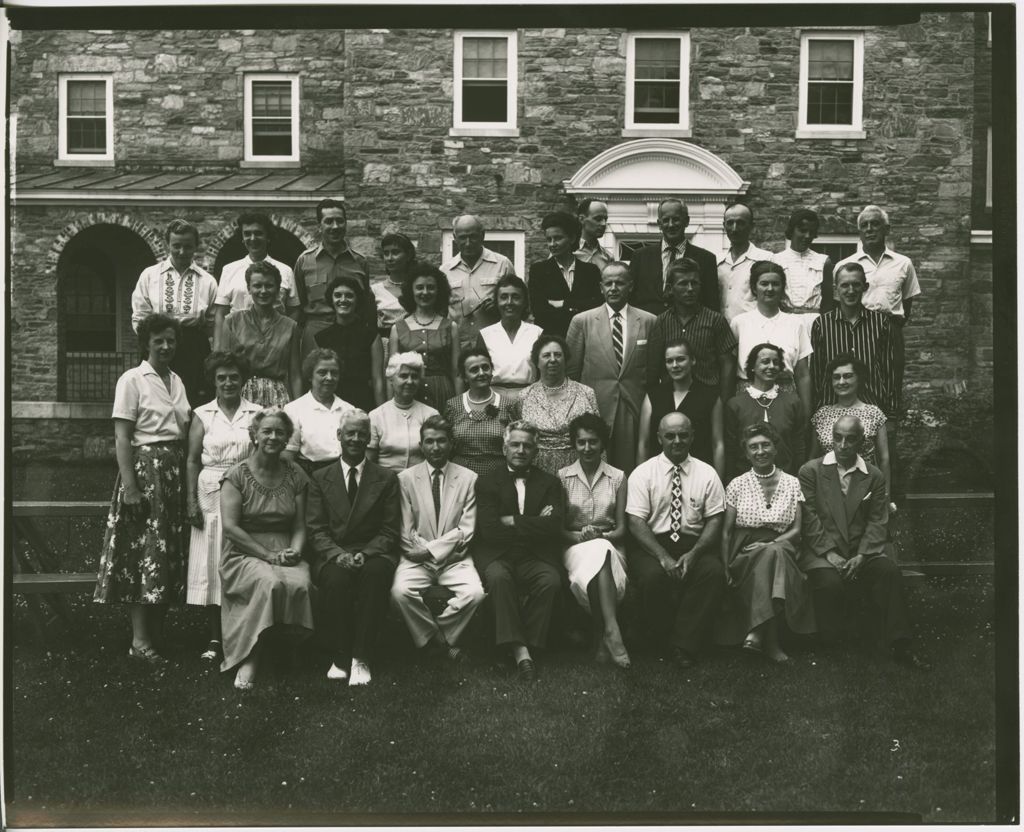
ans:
(460, 577)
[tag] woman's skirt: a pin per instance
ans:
(762, 579)
(203, 586)
(266, 392)
(435, 391)
(256, 595)
(584, 560)
(142, 560)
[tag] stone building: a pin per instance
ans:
(116, 132)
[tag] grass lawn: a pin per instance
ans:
(837, 731)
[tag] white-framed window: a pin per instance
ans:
(510, 243)
(836, 246)
(486, 83)
(657, 84)
(831, 85)
(86, 118)
(271, 117)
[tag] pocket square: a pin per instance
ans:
(641, 341)
(558, 304)
(866, 497)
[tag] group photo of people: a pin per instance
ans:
(306, 449)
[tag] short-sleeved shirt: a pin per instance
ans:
(599, 255)
(316, 268)
(395, 434)
(184, 296)
(752, 512)
(389, 310)
(589, 504)
(471, 287)
(233, 292)
(734, 280)
(805, 271)
(649, 494)
(784, 330)
(891, 280)
(707, 332)
(510, 360)
(315, 436)
(159, 414)
(226, 441)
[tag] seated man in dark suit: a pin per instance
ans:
(844, 541)
(516, 546)
(562, 285)
(650, 263)
(354, 517)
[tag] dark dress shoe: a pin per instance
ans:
(526, 671)
(908, 658)
(683, 659)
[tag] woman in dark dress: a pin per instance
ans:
(357, 344)
(682, 393)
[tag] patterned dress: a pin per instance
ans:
(257, 595)
(479, 434)
(871, 417)
(435, 345)
(267, 346)
(552, 419)
(589, 504)
(768, 575)
(225, 442)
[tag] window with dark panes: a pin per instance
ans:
(485, 80)
(90, 318)
(830, 66)
(656, 81)
(86, 117)
(836, 251)
(272, 118)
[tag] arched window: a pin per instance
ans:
(284, 247)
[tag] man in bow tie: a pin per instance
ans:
(845, 543)
(516, 548)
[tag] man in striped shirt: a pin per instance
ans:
(851, 327)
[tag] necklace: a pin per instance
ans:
(550, 389)
(767, 476)
(424, 323)
(483, 401)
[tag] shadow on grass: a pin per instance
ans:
(837, 731)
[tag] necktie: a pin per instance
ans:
(617, 338)
(435, 490)
(676, 512)
(672, 254)
(353, 486)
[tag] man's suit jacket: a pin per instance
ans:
(453, 530)
(852, 523)
(592, 359)
(648, 275)
(532, 535)
(372, 526)
(552, 302)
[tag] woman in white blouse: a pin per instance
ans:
(808, 273)
(768, 324)
(218, 438)
(395, 425)
(510, 341)
(142, 560)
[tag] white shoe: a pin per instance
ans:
(337, 673)
(360, 674)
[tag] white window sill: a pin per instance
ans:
(818, 133)
(270, 163)
(510, 132)
(656, 132)
(72, 162)
(981, 238)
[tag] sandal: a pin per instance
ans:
(212, 652)
(751, 646)
(147, 655)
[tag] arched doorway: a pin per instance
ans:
(284, 246)
(634, 176)
(96, 273)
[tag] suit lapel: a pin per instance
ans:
(859, 483)
(562, 290)
(449, 501)
(364, 494)
(834, 496)
(337, 490)
(603, 331)
(633, 329)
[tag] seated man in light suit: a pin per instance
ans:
(517, 546)
(675, 506)
(608, 352)
(438, 520)
(844, 541)
(353, 518)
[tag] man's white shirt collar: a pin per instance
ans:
(830, 459)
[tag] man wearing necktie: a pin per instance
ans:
(353, 516)
(650, 264)
(438, 521)
(516, 547)
(608, 352)
(675, 506)
(845, 512)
